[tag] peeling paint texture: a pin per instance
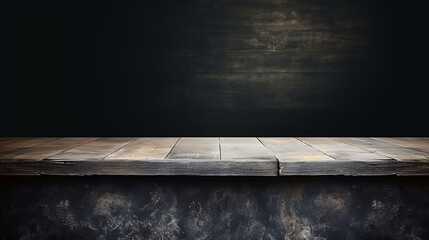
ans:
(214, 208)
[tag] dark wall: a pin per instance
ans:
(216, 67)
(151, 208)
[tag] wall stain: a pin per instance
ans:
(214, 208)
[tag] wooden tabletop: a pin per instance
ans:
(213, 156)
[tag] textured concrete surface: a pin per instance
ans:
(214, 208)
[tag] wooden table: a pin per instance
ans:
(213, 156)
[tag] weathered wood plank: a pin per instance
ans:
(290, 152)
(18, 144)
(356, 168)
(219, 157)
(244, 148)
(342, 151)
(197, 167)
(383, 148)
(330, 145)
(6, 139)
(195, 148)
(204, 156)
(97, 149)
(413, 143)
(293, 150)
(145, 148)
(45, 150)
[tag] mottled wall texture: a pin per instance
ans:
(214, 208)
(214, 67)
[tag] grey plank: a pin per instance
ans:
(195, 148)
(18, 144)
(212, 168)
(97, 149)
(356, 168)
(202, 156)
(342, 151)
(145, 148)
(419, 144)
(291, 152)
(240, 157)
(393, 151)
(244, 148)
(197, 167)
(45, 150)
(330, 145)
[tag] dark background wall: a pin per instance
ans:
(150, 208)
(214, 67)
(106, 207)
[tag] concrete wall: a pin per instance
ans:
(214, 208)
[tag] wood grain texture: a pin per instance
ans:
(4, 140)
(17, 144)
(293, 150)
(197, 167)
(195, 148)
(46, 150)
(390, 150)
(225, 156)
(356, 168)
(342, 151)
(216, 157)
(413, 143)
(145, 148)
(97, 149)
(290, 152)
(244, 148)
(297, 158)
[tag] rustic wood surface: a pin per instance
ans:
(212, 156)
(196, 148)
(10, 145)
(145, 148)
(244, 148)
(393, 151)
(45, 150)
(342, 151)
(97, 149)
(420, 144)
